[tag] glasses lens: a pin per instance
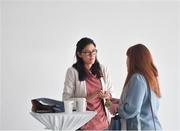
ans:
(93, 52)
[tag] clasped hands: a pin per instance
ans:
(111, 103)
(101, 94)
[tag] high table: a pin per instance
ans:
(64, 121)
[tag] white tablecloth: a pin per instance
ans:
(64, 121)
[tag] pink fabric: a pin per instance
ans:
(99, 122)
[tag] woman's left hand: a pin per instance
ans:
(104, 95)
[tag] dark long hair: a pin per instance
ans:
(140, 61)
(79, 65)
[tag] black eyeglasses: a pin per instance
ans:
(89, 53)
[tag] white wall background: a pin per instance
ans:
(179, 55)
(0, 66)
(38, 43)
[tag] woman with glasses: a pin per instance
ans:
(89, 79)
(139, 101)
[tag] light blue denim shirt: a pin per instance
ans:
(135, 105)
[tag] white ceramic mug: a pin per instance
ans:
(81, 104)
(68, 106)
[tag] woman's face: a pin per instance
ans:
(88, 54)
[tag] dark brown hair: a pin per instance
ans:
(79, 65)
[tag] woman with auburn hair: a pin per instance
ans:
(139, 100)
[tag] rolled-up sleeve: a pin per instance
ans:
(131, 105)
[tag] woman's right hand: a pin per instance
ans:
(115, 100)
(114, 108)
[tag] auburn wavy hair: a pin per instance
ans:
(140, 61)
